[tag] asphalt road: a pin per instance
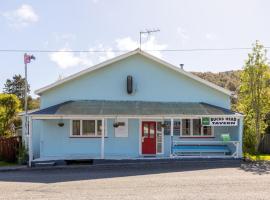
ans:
(177, 180)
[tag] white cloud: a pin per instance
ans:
(210, 36)
(151, 44)
(107, 55)
(21, 17)
(69, 59)
(126, 43)
(64, 37)
(95, 1)
(183, 35)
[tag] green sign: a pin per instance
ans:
(205, 121)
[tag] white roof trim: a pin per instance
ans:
(123, 56)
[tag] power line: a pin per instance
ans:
(117, 50)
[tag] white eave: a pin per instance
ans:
(123, 56)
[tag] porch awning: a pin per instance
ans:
(131, 108)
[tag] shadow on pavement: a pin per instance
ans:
(259, 168)
(77, 173)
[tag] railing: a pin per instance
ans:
(9, 148)
(235, 154)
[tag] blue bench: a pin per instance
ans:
(199, 149)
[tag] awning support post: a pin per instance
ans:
(171, 154)
(102, 139)
(240, 138)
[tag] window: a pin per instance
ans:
(207, 131)
(194, 128)
(159, 137)
(76, 127)
(186, 127)
(176, 127)
(86, 128)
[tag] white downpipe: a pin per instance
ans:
(102, 139)
(171, 151)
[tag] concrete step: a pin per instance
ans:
(44, 164)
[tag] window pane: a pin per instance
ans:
(207, 130)
(88, 127)
(167, 129)
(145, 130)
(159, 147)
(186, 127)
(152, 130)
(99, 127)
(197, 127)
(176, 127)
(75, 127)
(159, 129)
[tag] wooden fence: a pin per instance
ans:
(9, 148)
(265, 144)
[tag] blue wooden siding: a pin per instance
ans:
(50, 140)
(152, 81)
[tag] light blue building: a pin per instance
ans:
(123, 108)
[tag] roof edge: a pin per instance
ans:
(89, 69)
(123, 56)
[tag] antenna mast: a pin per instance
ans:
(147, 32)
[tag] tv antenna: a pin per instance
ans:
(148, 32)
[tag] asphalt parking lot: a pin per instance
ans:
(173, 180)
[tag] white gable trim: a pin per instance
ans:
(123, 56)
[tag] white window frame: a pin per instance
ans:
(191, 130)
(162, 138)
(81, 129)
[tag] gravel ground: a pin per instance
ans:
(177, 180)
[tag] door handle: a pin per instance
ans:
(142, 139)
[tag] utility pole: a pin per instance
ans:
(147, 32)
(27, 59)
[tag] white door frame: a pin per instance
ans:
(140, 135)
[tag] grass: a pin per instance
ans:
(6, 164)
(258, 157)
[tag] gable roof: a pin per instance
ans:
(123, 56)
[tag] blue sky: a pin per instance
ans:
(107, 25)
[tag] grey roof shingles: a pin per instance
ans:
(102, 107)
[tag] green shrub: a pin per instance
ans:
(22, 156)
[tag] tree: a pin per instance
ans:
(9, 108)
(254, 96)
(16, 86)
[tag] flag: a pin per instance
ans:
(27, 58)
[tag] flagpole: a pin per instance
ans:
(28, 123)
(25, 96)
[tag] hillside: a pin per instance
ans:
(229, 79)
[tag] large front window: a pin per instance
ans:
(194, 128)
(86, 128)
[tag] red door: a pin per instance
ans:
(148, 137)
